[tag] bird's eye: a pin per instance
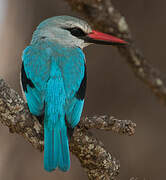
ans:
(76, 31)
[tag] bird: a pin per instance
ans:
(54, 78)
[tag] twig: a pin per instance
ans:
(109, 123)
(105, 17)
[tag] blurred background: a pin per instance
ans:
(112, 89)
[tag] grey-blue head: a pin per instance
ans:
(72, 32)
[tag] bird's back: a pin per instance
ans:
(57, 74)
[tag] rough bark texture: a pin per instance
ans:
(105, 17)
(14, 114)
(108, 123)
(97, 162)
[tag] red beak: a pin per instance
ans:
(102, 38)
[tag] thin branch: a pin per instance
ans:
(97, 162)
(109, 123)
(105, 17)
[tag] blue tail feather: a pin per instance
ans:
(56, 149)
(64, 155)
(50, 150)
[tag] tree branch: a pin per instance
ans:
(105, 17)
(97, 162)
(108, 123)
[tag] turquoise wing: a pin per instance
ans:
(73, 69)
(35, 74)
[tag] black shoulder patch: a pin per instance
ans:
(80, 94)
(25, 81)
(41, 119)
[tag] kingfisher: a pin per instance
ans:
(53, 79)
